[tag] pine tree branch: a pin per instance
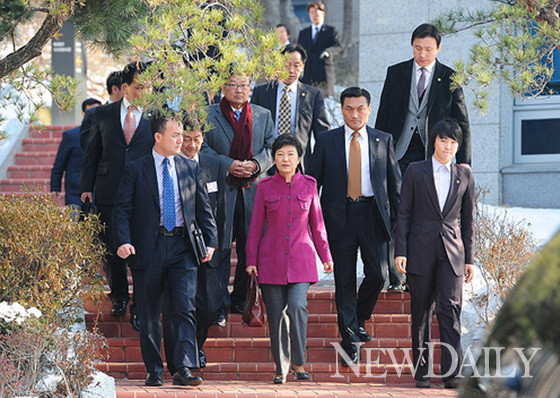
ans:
(24, 17)
(33, 48)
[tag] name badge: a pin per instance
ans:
(212, 186)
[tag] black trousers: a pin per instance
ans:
(173, 266)
(361, 231)
(239, 292)
(415, 152)
(225, 272)
(115, 267)
(209, 299)
(439, 290)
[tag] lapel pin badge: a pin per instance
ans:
(458, 181)
(439, 79)
(303, 94)
(377, 140)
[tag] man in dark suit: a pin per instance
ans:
(68, 161)
(241, 137)
(213, 276)
(160, 197)
(296, 108)
(119, 134)
(411, 105)
(322, 44)
(116, 92)
(356, 167)
(416, 95)
(434, 246)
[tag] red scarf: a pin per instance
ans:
(242, 138)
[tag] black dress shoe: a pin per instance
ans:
(135, 322)
(397, 287)
(353, 356)
(184, 377)
(363, 334)
(119, 308)
(154, 380)
(202, 358)
(220, 320)
(279, 379)
(453, 382)
(423, 383)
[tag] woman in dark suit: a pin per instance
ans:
(286, 231)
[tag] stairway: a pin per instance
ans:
(32, 165)
(239, 357)
(238, 352)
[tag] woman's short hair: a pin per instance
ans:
(447, 127)
(286, 139)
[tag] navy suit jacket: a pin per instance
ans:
(136, 214)
(86, 127)
(107, 152)
(69, 161)
(421, 222)
(311, 115)
(328, 166)
(442, 102)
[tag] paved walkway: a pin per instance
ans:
(252, 389)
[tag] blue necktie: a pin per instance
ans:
(168, 198)
(237, 113)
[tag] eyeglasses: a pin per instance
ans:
(236, 86)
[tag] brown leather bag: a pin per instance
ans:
(253, 311)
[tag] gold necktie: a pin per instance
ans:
(355, 168)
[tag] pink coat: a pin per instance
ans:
(286, 228)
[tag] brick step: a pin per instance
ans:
(35, 158)
(262, 389)
(320, 301)
(381, 325)
(318, 372)
(40, 144)
(243, 350)
(20, 184)
(40, 171)
(49, 132)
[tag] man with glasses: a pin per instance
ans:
(241, 135)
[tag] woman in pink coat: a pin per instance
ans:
(286, 231)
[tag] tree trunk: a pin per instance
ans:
(288, 17)
(347, 24)
(281, 12)
(34, 47)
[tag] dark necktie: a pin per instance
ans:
(285, 113)
(315, 33)
(168, 198)
(421, 84)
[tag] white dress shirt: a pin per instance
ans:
(442, 180)
(367, 188)
(428, 73)
(158, 160)
(293, 99)
(124, 110)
